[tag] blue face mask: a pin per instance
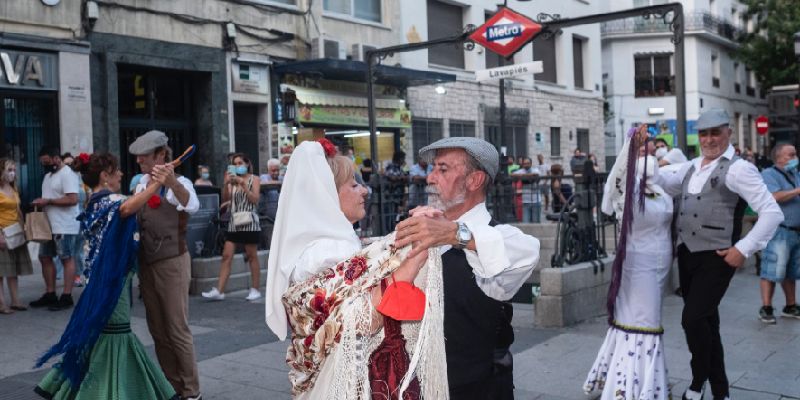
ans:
(241, 170)
(792, 164)
(204, 175)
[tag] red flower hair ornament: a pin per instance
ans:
(84, 158)
(328, 147)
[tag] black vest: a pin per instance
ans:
(475, 325)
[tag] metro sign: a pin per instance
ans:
(505, 32)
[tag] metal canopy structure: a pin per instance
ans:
(671, 14)
(353, 71)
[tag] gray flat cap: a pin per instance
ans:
(712, 118)
(483, 151)
(148, 142)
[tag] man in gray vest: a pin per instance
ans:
(712, 192)
(164, 262)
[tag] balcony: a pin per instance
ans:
(695, 21)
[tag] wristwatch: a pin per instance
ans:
(463, 235)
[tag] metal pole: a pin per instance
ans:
(373, 138)
(680, 82)
(500, 211)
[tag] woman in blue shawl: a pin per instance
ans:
(101, 357)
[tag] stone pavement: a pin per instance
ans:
(240, 359)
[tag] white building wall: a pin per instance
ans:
(619, 48)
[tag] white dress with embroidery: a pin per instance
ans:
(630, 364)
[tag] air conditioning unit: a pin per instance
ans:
(322, 47)
(359, 52)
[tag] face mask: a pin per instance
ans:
(792, 164)
(241, 170)
(204, 175)
(661, 152)
(10, 176)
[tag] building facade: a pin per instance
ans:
(638, 72)
(551, 113)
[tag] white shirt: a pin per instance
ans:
(191, 207)
(505, 256)
(743, 179)
(55, 186)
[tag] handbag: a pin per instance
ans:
(240, 218)
(14, 236)
(37, 227)
(389, 363)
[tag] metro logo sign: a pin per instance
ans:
(505, 32)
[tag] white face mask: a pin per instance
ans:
(661, 152)
(10, 176)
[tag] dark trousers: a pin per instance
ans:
(500, 386)
(704, 278)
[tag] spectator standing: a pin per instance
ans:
(243, 191)
(60, 189)
(667, 156)
(395, 189)
(16, 262)
(595, 165)
(418, 174)
(512, 165)
(781, 258)
(544, 170)
(366, 169)
(561, 191)
(273, 175)
(81, 270)
(577, 161)
(528, 188)
(205, 176)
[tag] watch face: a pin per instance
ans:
(50, 2)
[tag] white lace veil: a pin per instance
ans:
(308, 211)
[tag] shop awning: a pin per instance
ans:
(355, 71)
(316, 97)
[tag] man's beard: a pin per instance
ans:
(435, 199)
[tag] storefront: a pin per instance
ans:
(329, 100)
(44, 100)
(249, 108)
(140, 84)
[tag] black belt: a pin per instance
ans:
(114, 329)
(791, 228)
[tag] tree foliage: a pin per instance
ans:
(769, 49)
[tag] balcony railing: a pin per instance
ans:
(696, 21)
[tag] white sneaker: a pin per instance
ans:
(253, 295)
(214, 294)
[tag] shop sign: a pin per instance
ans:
(506, 32)
(667, 129)
(354, 116)
(249, 78)
(509, 71)
(28, 70)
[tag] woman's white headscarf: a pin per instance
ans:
(308, 211)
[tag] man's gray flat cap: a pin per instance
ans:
(712, 118)
(481, 150)
(148, 142)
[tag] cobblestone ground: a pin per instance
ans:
(240, 359)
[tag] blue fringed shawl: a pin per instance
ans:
(110, 266)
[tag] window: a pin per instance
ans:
(445, 20)
(425, 132)
(577, 60)
(715, 70)
(653, 75)
(749, 82)
(555, 142)
(493, 59)
(516, 139)
(737, 85)
(544, 50)
(369, 10)
(462, 128)
(583, 140)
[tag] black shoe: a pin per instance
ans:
(64, 302)
(792, 311)
(692, 396)
(47, 300)
(766, 316)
